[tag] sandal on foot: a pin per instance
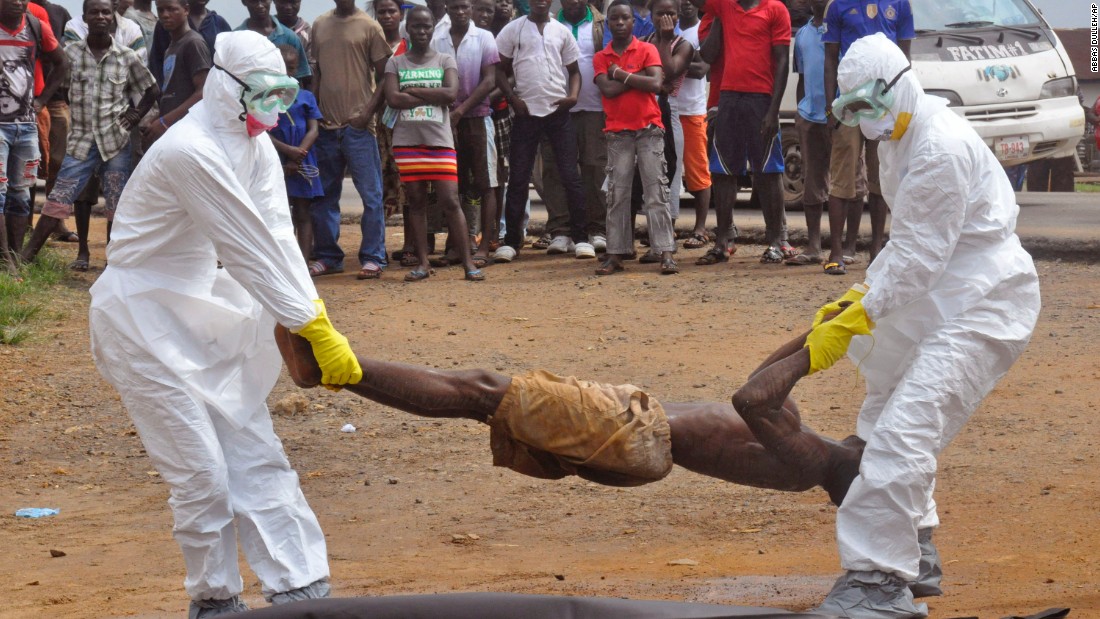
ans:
(416, 275)
(542, 243)
(650, 257)
(444, 261)
(608, 267)
(669, 267)
(835, 268)
(480, 261)
(79, 264)
(696, 241)
(802, 260)
(787, 250)
(772, 255)
(370, 270)
(67, 237)
(477, 275)
(853, 259)
(714, 255)
(318, 268)
(409, 259)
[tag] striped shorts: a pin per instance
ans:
(426, 163)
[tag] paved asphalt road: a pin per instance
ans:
(1051, 225)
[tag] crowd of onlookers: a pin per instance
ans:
(448, 112)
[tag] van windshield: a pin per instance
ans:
(961, 14)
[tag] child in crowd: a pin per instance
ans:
(293, 138)
(629, 75)
(421, 84)
(691, 105)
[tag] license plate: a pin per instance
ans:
(1015, 147)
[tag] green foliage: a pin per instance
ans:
(21, 302)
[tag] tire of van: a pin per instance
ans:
(792, 169)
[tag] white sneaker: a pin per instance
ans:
(560, 245)
(504, 253)
(584, 250)
(599, 242)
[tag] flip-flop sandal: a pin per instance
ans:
(370, 270)
(669, 267)
(542, 243)
(608, 267)
(318, 268)
(79, 265)
(650, 257)
(444, 261)
(787, 250)
(68, 237)
(802, 260)
(850, 259)
(480, 261)
(409, 259)
(417, 275)
(714, 255)
(835, 268)
(696, 241)
(477, 275)
(772, 255)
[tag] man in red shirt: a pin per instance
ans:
(755, 39)
(629, 76)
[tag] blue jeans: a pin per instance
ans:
(19, 159)
(339, 150)
(75, 174)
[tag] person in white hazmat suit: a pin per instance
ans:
(945, 310)
(190, 346)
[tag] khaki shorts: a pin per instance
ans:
(550, 427)
(849, 179)
(815, 141)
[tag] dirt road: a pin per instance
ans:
(400, 497)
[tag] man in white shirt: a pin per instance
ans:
(534, 49)
(587, 25)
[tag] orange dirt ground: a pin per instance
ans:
(400, 497)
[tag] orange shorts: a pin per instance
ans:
(696, 165)
(549, 427)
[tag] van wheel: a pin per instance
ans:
(792, 169)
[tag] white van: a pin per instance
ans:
(1001, 67)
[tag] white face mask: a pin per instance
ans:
(878, 129)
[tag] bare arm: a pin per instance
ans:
(832, 61)
(395, 98)
(312, 131)
(59, 72)
(504, 82)
(198, 80)
(698, 68)
(781, 61)
(443, 96)
(711, 48)
(362, 119)
(574, 88)
(675, 62)
(905, 44)
(481, 91)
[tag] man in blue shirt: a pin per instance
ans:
(846, 21)
(814, 133)
(260, 20)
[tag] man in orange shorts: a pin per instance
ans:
(549, 427)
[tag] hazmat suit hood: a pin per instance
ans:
(876, 57)
(240, 53)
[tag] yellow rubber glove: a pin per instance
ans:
(855, 293)
(829, 341)
(338, 363)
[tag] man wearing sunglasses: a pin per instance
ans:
(946, 309)
(189, 346)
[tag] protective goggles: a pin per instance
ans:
(266, 92)
(870, 101)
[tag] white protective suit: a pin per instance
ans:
(954, 298)
(190, 347)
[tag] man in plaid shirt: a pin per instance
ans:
(105, 80)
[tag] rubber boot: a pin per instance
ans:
(871, 595)
(930, 572)
(315, 590)
(204, 609)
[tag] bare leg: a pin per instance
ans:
(457, 230)
(855, 218)
(417, 193)
(702, 205)
(813, 228)
(303, 225)
(46, 226)
(837, 217)
(878, 224)
(725, 194)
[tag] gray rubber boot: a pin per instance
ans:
(202, 609)
(871, 595)
(314, 590)
(930, 572)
